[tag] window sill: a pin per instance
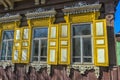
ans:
(78, 63)
(5, 63)
(38, 62)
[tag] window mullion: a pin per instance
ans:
(81, 40)
(6, 50)
(39, 54)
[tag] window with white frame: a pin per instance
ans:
(7, 45)
(82, 43)
(39, 51)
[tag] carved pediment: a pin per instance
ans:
(41, 13)
(82, 8)
(10, 18)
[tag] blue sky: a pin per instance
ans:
(117, 19)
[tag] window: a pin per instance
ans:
(40, 44)
(81, 43)
(7, 45)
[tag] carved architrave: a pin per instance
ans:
(41, 14)
(83, 68)
(10, 18)
(38, 65)
(82, 9)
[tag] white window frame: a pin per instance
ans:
(39, 51)
(81, 45)
(7, 40)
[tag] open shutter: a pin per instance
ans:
(17, 46)
(25, 45)
(118, 52)
(64, 44)
(100, 43)
(52, 44)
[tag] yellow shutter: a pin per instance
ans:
(17, 46)
(64, 44)
(25, 45)
(52, 57)
(100, 43)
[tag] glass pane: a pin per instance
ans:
(26, 33)
(87, 60)
(43, 59)
(8, 35)
(87, 49)
(43, 47)
(35, 48)
(76, 60)
(35, 59)
(10, 46)
(18, 34)
(81, 29)
(4, 46)
(24, 54)
(76, 47)
(53, 32)
(64, 31)
(40, 32)
(9, 58)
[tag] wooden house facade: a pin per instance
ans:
(59, 35)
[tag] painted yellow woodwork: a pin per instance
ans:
(8, 26)
(16, 55)
(26, 45)
(64, 44)
(25, 55)
(17, 45)
(39, 22)
(52, 57)
(22, 41)
(100, 43)
(81, 18)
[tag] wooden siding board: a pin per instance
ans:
(111, 46)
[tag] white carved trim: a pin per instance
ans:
(82, 9)
(83, 68)
(10, 18)
(42, 14)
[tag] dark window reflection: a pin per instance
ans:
(87, 49)
(40, 32)
(87, 59)
(76, 48)
(8, 35)
(82, 29)
(4, 48)
(35, 47)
